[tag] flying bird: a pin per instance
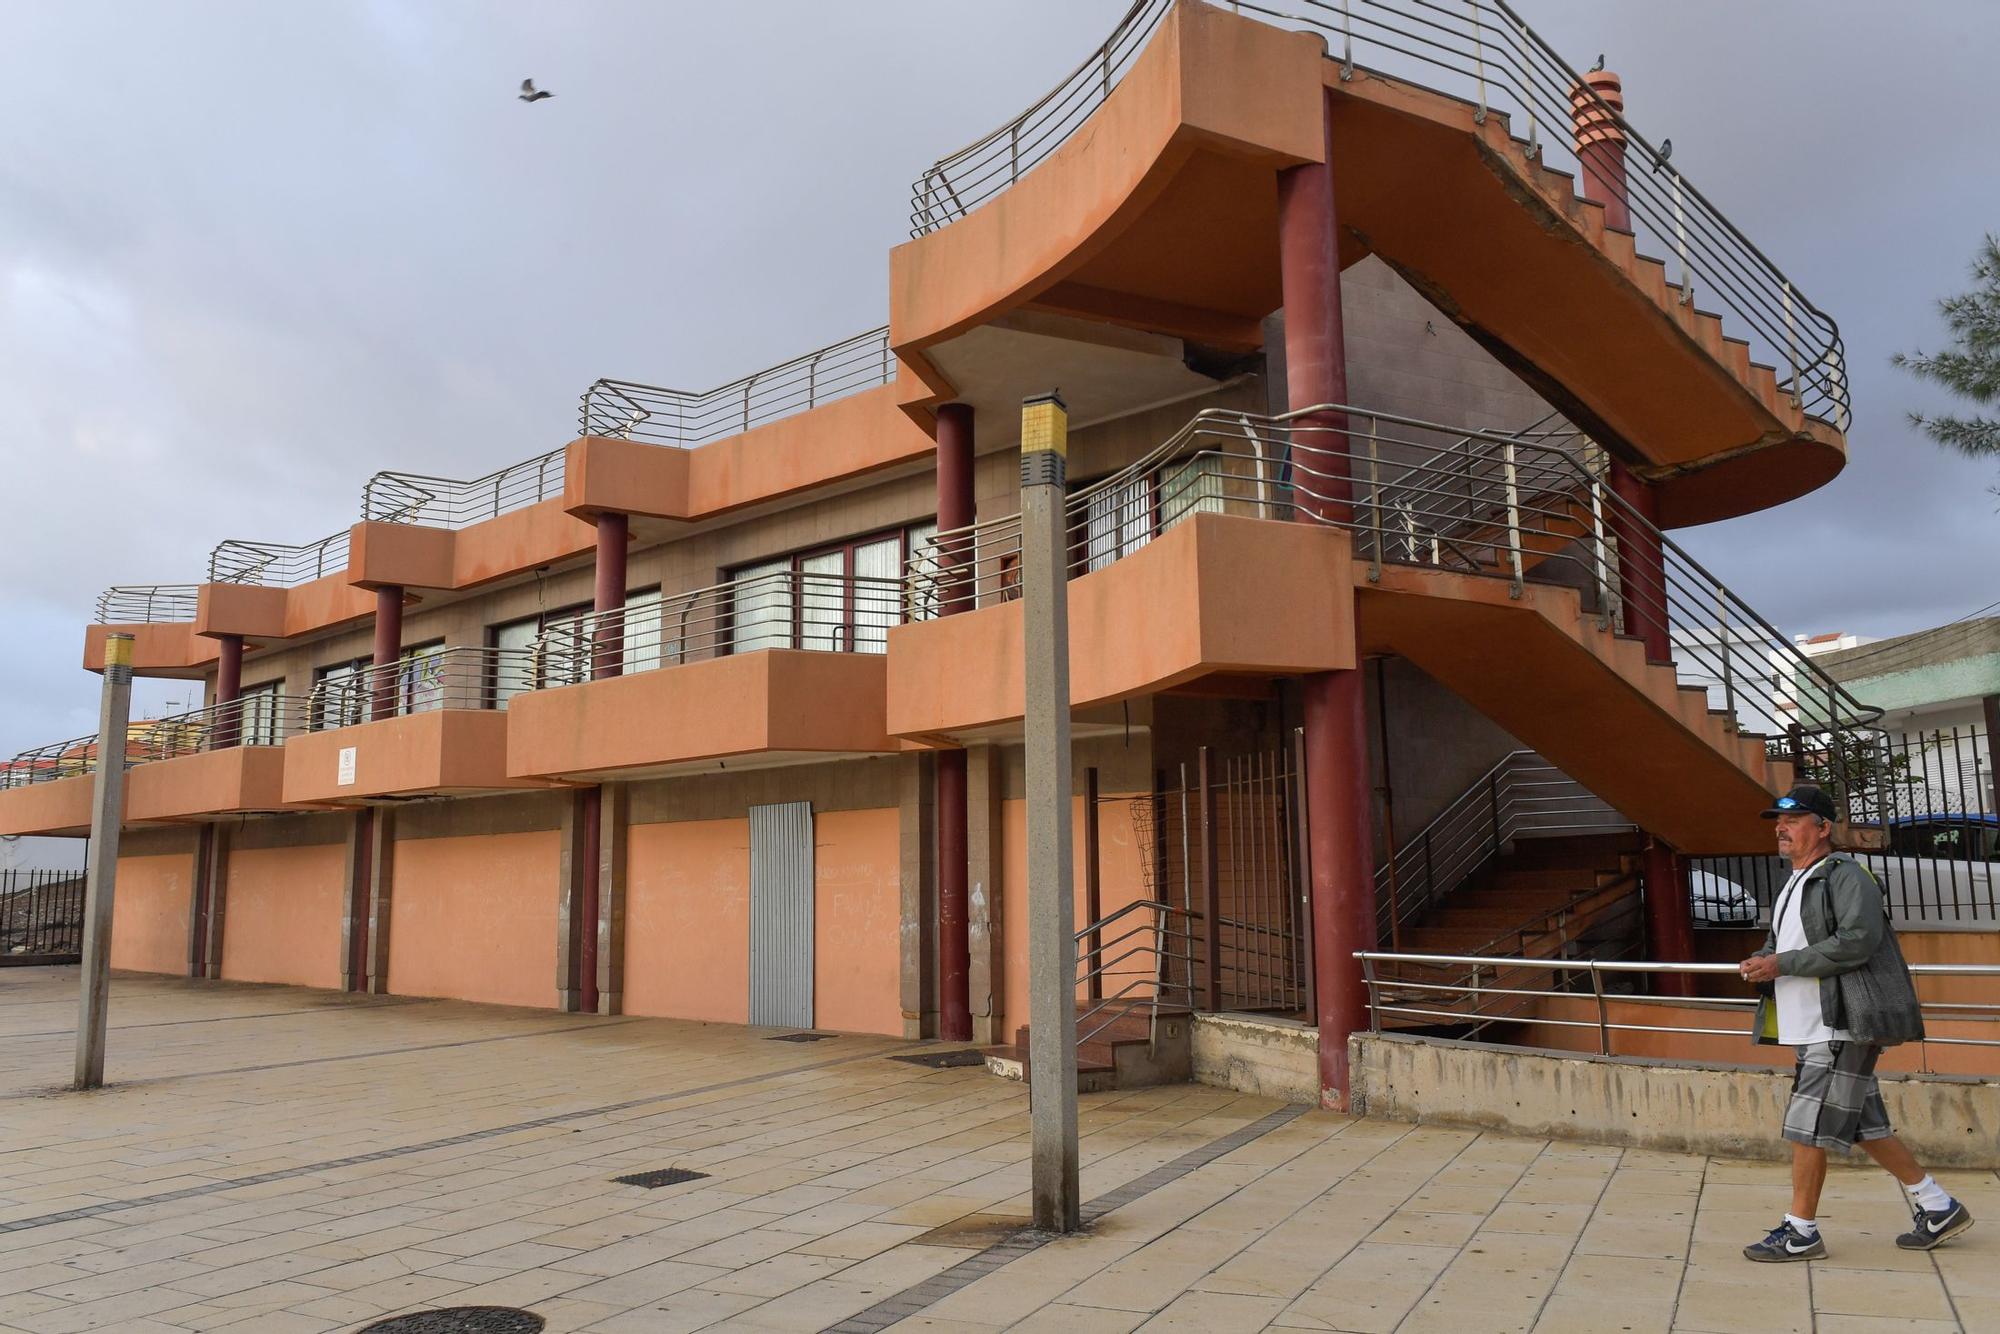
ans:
(529, 93)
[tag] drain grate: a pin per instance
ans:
(666, 1176)
(945, 1060)
(460, 1320)
(800, 1037)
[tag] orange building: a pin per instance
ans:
(1390, 348)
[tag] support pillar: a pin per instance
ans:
(107, 818)
(388, 648)
(954, 510)
(228, 689)
(613, 806)
(916, 859)
(1642, 567)
(1669, 919)
(382, 889)
(1600, 143)
(1992, 710)
(216, 919)
(608, 638)
(1341, 839)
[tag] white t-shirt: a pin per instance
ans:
(1800, 1020)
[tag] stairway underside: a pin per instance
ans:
(1586, 699)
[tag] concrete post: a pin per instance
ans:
(388, 648)
(954, 510)
(354, 906)
(107, 815)
(1338, 816)
(1051, 893)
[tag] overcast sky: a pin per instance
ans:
(252, 252)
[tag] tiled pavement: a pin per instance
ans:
(274, 1160)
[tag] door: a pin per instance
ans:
(781, 915)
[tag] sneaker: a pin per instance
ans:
(1786, 1243)
(1934, 1227)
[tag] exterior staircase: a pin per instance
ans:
(1130, 1051)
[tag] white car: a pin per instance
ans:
(1719, 901)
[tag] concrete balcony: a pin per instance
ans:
(1165, 614)
(772, 669)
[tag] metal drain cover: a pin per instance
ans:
(945, 1060)
(460, 1320)
(665, 1176)
(800, 1037)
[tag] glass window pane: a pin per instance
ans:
(420, 680)
(642, 631)
(823, 602)
(514, 666)
(1118, 521)
(877, 598)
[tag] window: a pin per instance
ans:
(344, 693)
(569, 649)
(840, 599)
(257, 714)
(1118, 520)
(340, 696)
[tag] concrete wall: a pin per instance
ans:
(281, 920)
(1948, 1121)
(474, 918)
(149, 917)
(1258, 1055)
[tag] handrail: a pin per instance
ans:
(628, 410)
(1495, 808)
(147, 604)
(257, 719)
(1408, 998)
(443, 502)
(1534, 508)
(1497, 64)
(277, 564)
(834, 613)
(456, 677)
(1167, 988)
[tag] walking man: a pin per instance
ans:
(1837, 990)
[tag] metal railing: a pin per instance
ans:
(51, 763)
(277, 564)
(626, 410)
(443, 502)
(1484, 53)
(1138, 961)
(1522, 794)
(461, 677)
(1499, 506)
(147, 604)
(41, 916)
(1403, 997)
(828, 613)
(257, 719)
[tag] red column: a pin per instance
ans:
(954, 510)
(1600, 143)
(608, 647)
(1340, 850)
(1669, 925)
(1642, 564)
(228, 689)
(388, 647)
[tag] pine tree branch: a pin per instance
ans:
(1976, 437)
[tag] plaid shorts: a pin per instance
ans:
(1835, 1099)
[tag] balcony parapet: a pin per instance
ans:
(432, 725)
(147, 604)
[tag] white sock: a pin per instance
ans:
(1805, 1227)
(1929, 1194)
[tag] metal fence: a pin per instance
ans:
(1484, 53)
(1933, 793)
(41, 916)
(1220, 843)
(443, 502)
(627, 410)
(277, 564)
(459, 677)
(147, 604)
(1516, 989)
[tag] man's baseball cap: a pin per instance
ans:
(1803, 798)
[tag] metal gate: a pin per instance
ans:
(41, 916)
(1225, 837)
(781, 915)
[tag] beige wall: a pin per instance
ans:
(687, 920)
(149, 918)
(281, 915)
(475, 918)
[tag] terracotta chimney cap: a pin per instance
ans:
(1590, 120)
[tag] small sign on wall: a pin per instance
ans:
(345, 777)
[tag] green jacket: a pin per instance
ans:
(1864, 985)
